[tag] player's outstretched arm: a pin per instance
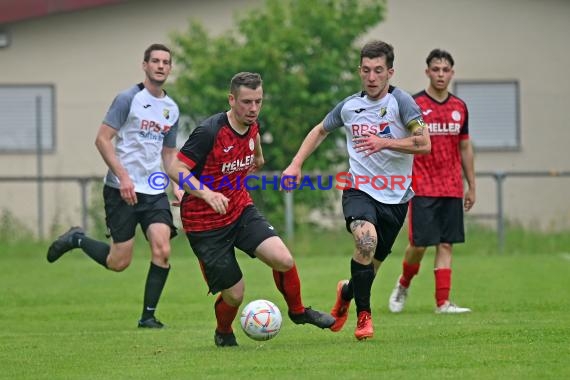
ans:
(311, 142)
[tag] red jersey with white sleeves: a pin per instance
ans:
(220, 158)
(438, 174)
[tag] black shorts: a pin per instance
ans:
(122, 219)
(435, 220)
(215, 249)
(387, 218)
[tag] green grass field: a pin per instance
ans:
(74, 320)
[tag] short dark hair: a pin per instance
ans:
(154, 47)
(439, 54)
(249, 80)
(376, 49)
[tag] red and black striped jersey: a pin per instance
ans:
(220, 158)
(438, 174)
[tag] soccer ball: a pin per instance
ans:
(261, 320)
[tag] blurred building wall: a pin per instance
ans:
(90, 55)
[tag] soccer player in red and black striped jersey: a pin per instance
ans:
(436, 212)
(218, 213)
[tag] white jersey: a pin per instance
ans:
(389, 172)
(144, 125)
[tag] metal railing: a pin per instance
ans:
(83, 182)
(500, 177)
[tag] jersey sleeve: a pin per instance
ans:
(464, 132)
(170, 137)
(410, 113)
(198, 146)
(333, 120)
(119, 110)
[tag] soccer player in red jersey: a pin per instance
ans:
(218, 213)
(436, 211)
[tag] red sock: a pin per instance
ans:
(408, 272)
(225, 315)
(442, 285)
(289, 285)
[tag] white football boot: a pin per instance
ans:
(397, 298)
(451, 308)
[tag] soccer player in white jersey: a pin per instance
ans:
(138, 132)
(384, 129)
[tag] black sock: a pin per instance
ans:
(362, 278)
(95, 249)
(347, 292)
(155, 281)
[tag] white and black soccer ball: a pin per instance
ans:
(261, 320)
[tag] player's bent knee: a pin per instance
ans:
(366, 250)
(233, 296)
(288, 263)
(118, 266)
(417, 251)
(283, 260)
(161, 257)
(234, 300)
(366, 245)
(162, 249)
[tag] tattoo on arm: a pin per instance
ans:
(417, 133)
